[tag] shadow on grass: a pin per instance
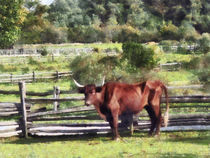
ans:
(87, 137)
(202, 139)
(164, 155)
(176, 155)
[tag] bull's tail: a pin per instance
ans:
(166, 116)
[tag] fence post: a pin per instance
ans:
(52, 57)
(11, 76)
(23, 106)
(56, 95)
(34, 76)
(57, 75)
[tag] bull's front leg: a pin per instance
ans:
(100, 113)
(109, 118)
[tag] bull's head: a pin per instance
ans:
(90, 91)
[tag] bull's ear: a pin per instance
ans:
(98, 89)
(81, 90)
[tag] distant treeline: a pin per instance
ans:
(114, 21)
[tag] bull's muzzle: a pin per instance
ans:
(87, 103)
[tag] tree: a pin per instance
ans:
(67, 13)
(11, 17)
(36, 28)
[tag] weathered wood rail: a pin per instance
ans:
(34, 76)
(84, 120)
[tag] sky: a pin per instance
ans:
(46, 2)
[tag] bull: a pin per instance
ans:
(114, 99)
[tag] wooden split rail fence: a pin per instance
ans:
(31, 77)
(84, 120)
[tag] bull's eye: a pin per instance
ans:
(92, 92)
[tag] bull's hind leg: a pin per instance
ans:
(152, 118)
(157, 112)
(154, 101)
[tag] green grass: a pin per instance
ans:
(64, 84)
(182, 77)
(175, 57)
(173, 145)
(78, 45)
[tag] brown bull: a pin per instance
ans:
(114, 99)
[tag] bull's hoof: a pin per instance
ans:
(117, 138)
(157, 134)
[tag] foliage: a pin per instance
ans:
(11, 17)
(169, 31)
(43, 51)
(86, 34)
(126, 33)
(138, 55)
(115, 21)
(204, 69)
(37, 29)
(52, 34)
(87, 69)
(204, 43)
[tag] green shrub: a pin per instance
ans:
(43, 51)
(204, 43)
(169, 32)
(85, 34)
(86, 68)
(32, 61)
(51, 34)
(149, 35)
(138, 55)
(92, 68)
(192, 64)
(96, 49)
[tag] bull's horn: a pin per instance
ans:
(103, 81)
(78, 85)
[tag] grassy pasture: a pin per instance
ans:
(173, 145)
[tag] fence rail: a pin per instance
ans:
(37, 51)
(11, 78)
(33, 122)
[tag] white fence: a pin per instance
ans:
(37, 52)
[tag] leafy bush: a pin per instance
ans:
(187, 32)
(138, 55)
(43, 51)
(192, 64)
(32, 61)
(85, 34)
(169, 32)
(92, 68)
(127, 35)
(86, 69)
(204, 43)
(51, 34)
(149, 35)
